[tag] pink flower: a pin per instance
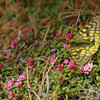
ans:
(21, 78)
(13, 43)
(19, 9)
(9, 84)
(52, 59)
(49, 22)
(31, 67)
(19, 84)
(60, 67)
(43, 43)
(57, 69)
(72, 65)
(30, 30)
(66, 46)
(46, 20)
(11, 81)
(66, 61)
(24, 73)
(0, 64)
(30, 61)
(57, 34)
(25, 37)
(8, 56)
(11, 95)
(0, 53)
(69, 36)
(86, 69)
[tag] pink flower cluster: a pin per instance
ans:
(20, 79)
(60, 67)
(86, 69)
(69, 36)
(8, 56)
(9, 84)
(0, 64)
(71, 65)
(66, 46)
(17, 84)
(13, 43)
(52, 59)
(11, 95)
(30, 62)
(57, 34)
(66, 61)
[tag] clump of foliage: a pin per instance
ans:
(35, 62)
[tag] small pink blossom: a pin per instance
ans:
(11, 81)
(72, 65)
(31, 67)
(9, 84)
(60, 67)
(0, 64)
(24, 73)
(66, 46)
(30, 30)
(8, 56)
(21, 78)
(49, 22)
(52, 59)
(46, 20)
(0, 53)
(86, 69)
(57, 34)
(25, 37)
(69, 36)
(13, 43)
(19, 9)
(66, 61)
(43, 43)
(19, 84)
(11, 95)
(30, 61)
(57, 69)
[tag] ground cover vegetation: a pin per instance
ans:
(35, 58)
